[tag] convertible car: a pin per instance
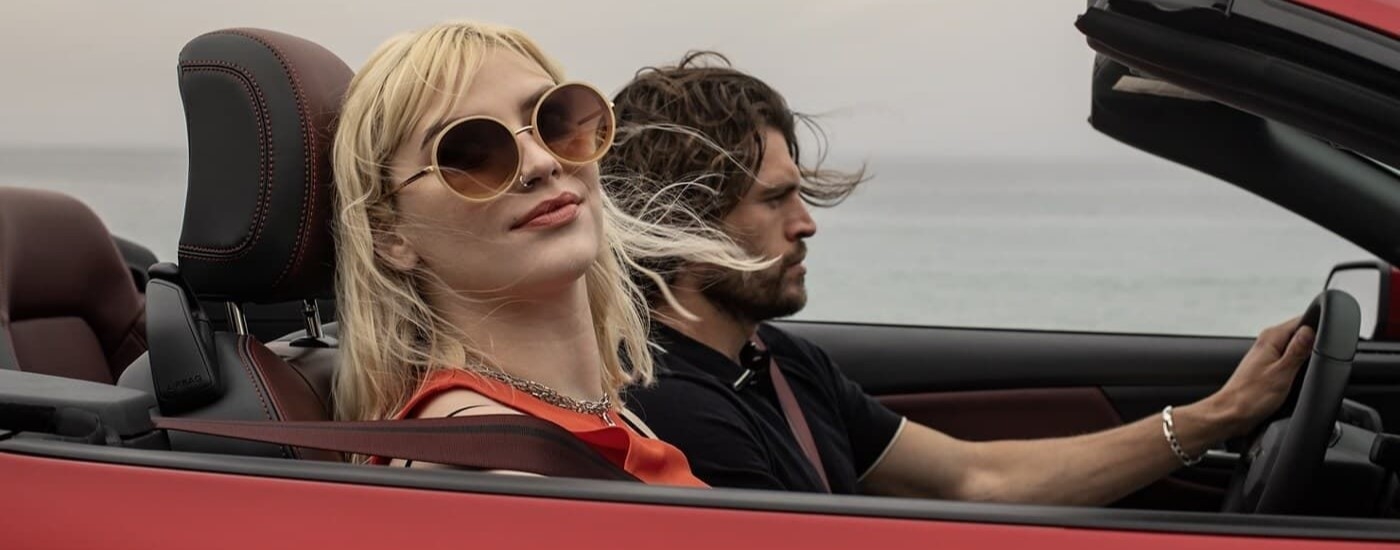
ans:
(186, 406)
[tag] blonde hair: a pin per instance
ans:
(392, 339)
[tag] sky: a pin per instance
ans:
(990, 99)
(922, 78)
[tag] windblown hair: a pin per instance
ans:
(702, 121)
(392, 338)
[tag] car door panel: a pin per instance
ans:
(982, 384)
(888, 359)
(1138, 374)
(984, 415)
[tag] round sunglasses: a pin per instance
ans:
(478, 157)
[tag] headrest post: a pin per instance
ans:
(236, 318)
(315, 337)
(312, 313)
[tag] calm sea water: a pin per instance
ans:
(1127, 246)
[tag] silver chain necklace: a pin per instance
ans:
(544, 393)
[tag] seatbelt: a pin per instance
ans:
(485, 442)
(797, 422)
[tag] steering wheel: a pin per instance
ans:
(1285, 455)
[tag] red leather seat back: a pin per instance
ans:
(68, 304)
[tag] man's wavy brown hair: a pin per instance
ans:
(690, 140)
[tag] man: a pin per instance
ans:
(747, 181)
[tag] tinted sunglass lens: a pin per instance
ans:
(575, 123)
(478, 158)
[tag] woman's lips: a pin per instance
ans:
(561, 209)
(556, 217)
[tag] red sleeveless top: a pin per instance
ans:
(651, 460)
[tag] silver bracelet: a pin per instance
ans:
(1169, 430)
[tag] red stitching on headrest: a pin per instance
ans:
(308, 138)
(266, 163)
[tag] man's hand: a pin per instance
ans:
(1264, 376)
(1101, 467)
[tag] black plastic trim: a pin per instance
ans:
(1278, 160)
(29, 399)
(1343, 110)
(138, 260)
(732, 499)
(8, 361)
(183, 366)
(885, 359)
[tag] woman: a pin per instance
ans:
(481, 269)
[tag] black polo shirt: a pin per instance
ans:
(742, 439)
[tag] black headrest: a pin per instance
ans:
(261, 109)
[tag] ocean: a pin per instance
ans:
(1122, 245)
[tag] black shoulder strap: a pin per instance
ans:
(792, 411)
(486, 442)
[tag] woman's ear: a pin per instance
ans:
(398, 251)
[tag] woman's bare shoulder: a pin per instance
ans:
(461, 402)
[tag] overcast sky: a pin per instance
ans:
(895, 77)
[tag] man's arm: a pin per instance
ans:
(1096, 468)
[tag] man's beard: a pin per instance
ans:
(757, 296)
